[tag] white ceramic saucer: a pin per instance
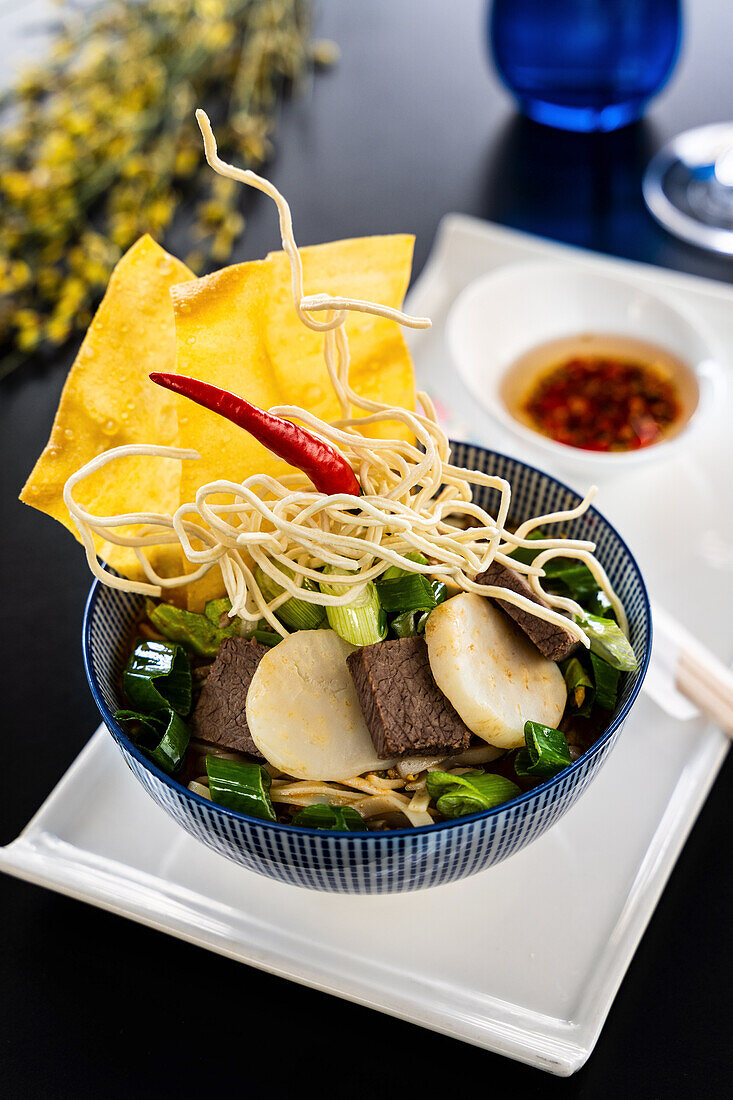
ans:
(506, 313)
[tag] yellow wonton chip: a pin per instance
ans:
(238, 329)
(373, 269)
(108, 401)
(220, 339)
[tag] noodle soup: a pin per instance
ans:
(355, 641)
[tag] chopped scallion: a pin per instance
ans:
(579, 685)
(217, 612)
(265, 636)
(158, 676)
(412, 592)
(163, 736)
(608, 641)
(440, 591)
(362, 621)
(240, 786)
(607, 678)
(322, 816)
(546, 752)
(295, 613)
(409, 623)
(457, 795)
(397, 570)
(199, 633)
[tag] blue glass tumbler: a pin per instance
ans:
(584, 64)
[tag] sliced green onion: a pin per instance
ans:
(440, 591)
(523, 553)
(409, 623)
(361, 622)
(412, 592)
(399, 571)
(158, 676)
(599, 604)
(217, 612)
(197, 632)
(266, 637)
(579, 685)
(608, 641)
(163, 736)
(240, 786)
(568, 577)
(322, 816)
(607, 678)
(296, 614)
(546, 752)
(574, 576)
(457, 795)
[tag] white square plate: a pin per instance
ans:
(524, 959)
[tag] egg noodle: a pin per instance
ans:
(401, 791)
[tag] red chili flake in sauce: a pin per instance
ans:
(603, 404)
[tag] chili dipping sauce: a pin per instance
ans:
(601, 393)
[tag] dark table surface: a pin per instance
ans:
(411, 125)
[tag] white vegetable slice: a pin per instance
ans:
(492, 674)
(303, 711)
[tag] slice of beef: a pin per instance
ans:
(554, 642)
(220, 717)
(404, 709)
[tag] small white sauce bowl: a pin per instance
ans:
(506, 313)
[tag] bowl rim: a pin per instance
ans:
(414, 830)
(706, 369)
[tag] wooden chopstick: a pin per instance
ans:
(706, 682)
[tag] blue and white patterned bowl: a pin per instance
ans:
(403, 859)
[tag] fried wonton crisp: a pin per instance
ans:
(236, 328)
(374, 269)
(221, 339)
(109, 401)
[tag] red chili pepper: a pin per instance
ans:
(328, 470)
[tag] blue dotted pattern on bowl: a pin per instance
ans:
(404, 859)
